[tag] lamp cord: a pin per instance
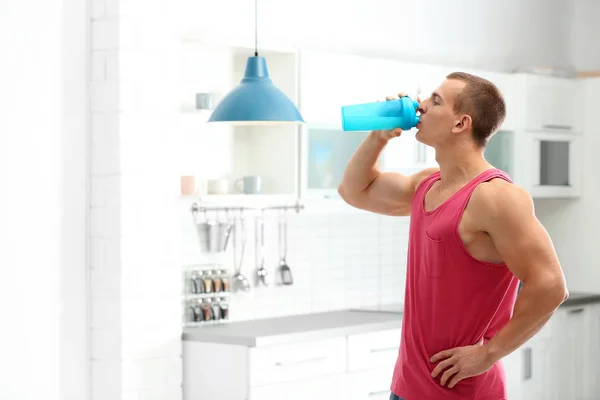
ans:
(255, 28)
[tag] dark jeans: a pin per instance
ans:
(394, 397)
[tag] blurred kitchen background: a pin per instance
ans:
(133, 230)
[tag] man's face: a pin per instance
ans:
(437, 116)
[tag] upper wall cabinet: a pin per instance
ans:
(544, 151)
(548, 104)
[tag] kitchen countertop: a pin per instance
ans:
(579, 299)
(281, 330)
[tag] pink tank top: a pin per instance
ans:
(451, 300)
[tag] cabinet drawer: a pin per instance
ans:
(373, 349)
(370, 385)
(324, 387)
(297, 361)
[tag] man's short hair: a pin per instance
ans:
(483, 102)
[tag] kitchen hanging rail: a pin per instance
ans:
(200, 208)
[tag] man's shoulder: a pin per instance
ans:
(422, 175)
(498, 197)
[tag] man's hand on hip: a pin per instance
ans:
(460, 363)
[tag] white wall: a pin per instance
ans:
(473, 33)
(74, 157)
(135, 294)
(30, 208)
(584, 51)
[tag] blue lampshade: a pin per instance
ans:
(256, 100)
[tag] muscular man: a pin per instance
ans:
(473, 236)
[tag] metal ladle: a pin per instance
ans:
(240, 282)
(261, 272)
(285, 273)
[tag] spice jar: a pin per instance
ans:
(207, 282)
(207, 312)
(216, 280)
(190, 314)
(191, 284)
(198, 312)
(224, 305)
(216, 309)
(199, 284)
(225, 281)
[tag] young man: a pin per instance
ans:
(473, 237)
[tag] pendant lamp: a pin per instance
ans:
(256, 100)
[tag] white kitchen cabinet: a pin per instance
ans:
(536, 379)
(548, 104)
(572, 377)
(548, 165)
(560, 361)
(355, 366)
(513, 367)
(371, 384)
(594, 349)
(297, 361)
(322, 387)
(541, 148)
(373, 349)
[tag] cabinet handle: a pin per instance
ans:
(305, 361)
(558, 127)
(576, 311)
(383, 349)
(528, 367)
(371, 394)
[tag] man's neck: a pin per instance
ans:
(459, 166)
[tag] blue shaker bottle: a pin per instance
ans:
(381, 115)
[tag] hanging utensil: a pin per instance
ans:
(285, 273)
(206, 231)
(261, 272)
(239, 281)
(225, 229)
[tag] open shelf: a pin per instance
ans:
(225, 151)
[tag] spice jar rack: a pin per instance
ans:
(207, 286)
(207, 294)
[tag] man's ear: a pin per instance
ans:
(463, 124)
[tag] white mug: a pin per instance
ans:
(217, 186)
(250, 184)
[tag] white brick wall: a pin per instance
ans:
(135, 288)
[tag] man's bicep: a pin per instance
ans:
(519, 237)
(391, 193)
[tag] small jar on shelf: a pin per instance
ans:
(207, 311)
